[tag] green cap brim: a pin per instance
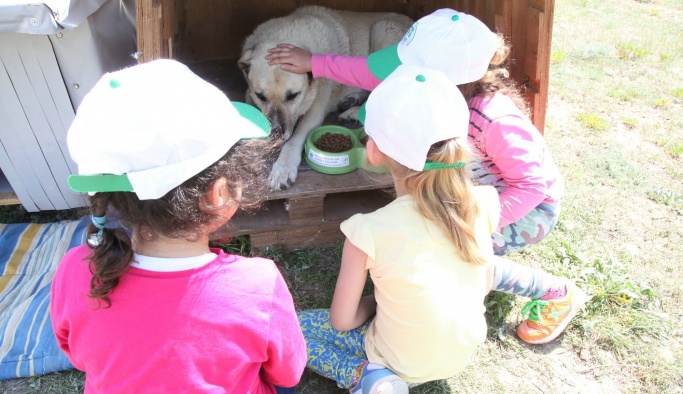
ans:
(256, 117)
(383, 62)
(362, 113)
(100, 183)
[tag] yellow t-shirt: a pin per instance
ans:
(430, 304)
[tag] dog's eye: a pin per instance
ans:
(261, 97)
(291, 96)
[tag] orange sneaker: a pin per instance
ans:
(549, 318)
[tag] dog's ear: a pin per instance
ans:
(244, 63)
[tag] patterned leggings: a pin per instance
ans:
(527, 231)
(331, 353)
(513, 278)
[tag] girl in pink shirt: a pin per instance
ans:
(511, 154)
(146, 306)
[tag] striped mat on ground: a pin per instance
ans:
(29, 256)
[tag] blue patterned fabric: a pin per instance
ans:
(29, 255)
(331, 353)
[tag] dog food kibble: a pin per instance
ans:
(333, 143)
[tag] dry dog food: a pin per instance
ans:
(333, 143)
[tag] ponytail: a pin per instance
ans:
(446, 197)
(112, 250)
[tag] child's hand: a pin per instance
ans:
(290, 58)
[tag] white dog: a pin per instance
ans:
(294, 103)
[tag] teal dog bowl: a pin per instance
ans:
(342, 162)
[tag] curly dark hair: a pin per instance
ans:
(175, 215)
(497, 79)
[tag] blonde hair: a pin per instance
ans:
(445, 197)
(497, 79)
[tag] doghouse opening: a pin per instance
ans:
(210, 33)
(207, 35)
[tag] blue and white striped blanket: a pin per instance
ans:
(29, 255)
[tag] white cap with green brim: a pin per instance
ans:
(411, 110)
(455, 43)
(149, 128)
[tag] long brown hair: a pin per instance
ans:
(175, 215)
(497, 79)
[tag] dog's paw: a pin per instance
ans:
(282, 175)
(349, 118)
(348, 102)
(352, 99)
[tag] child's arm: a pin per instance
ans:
(518, 150)
(347, 70)
(349, 310)
(286, 345)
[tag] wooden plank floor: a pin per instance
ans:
(9, 198)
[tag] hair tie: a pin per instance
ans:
(98, 222)
(434, 165)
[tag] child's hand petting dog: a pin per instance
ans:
(290, 58)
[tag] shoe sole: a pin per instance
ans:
(581, 298)
(389, 385)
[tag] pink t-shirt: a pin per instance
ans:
(226, 327)
(512, 154)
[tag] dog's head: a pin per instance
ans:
(282, 96)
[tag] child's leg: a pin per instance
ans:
(512, 278)
(332, 353)
(339, 355)
(527, 231)
(555, 300)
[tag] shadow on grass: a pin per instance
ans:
(18, 214)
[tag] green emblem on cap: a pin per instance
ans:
(420, 78)
(454, 18)
(114, 83)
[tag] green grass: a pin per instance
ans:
(557, 56)
(676, 149)
(18, 214)
(667, 197)
(625, 95)
(593, 122)
(630, 122)
(631, 50)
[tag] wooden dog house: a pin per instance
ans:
(207, 35)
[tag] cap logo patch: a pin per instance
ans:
(410, 34)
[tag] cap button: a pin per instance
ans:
(455, 18)
(420, 78)
(114, 83)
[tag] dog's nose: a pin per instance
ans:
(275, 126)
(276, 129)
